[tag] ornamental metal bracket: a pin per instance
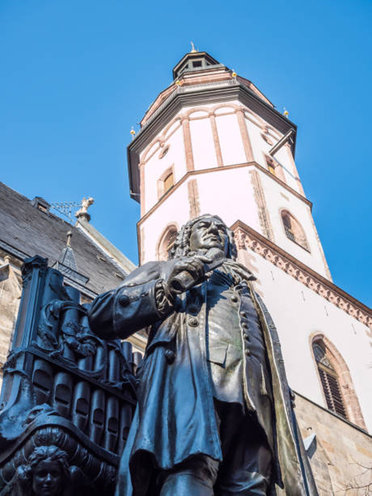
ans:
(281, 142)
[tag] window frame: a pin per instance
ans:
(335, 365)
(290, 233)
(162, 190)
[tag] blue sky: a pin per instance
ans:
(76, 75)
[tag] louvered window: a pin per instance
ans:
(329, 380)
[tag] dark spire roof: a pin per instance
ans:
(67, 257)
(67, 263)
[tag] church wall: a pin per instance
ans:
(230, 139)
(209, 136)
(283, 158)
(342, 451)
(202, 143)
(233, 194)
(258, 144)
(299, 314)
(155, 166)
(261, 147)
(214, 193)
(10, 293)
(229, 194)
(174, 210)
(279, 199)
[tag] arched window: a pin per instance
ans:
(336, 381)
(275, 168)
(294, 230)
(165, 182)
(271, 165)
(166, 242)
(329, 379)
(168, 181)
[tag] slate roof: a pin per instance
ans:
(27, 231)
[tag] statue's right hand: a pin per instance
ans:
(186, 273)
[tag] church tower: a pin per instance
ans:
(213, 143)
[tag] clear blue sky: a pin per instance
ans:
(77, 74)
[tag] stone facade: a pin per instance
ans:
(10, 294)
(342, 461)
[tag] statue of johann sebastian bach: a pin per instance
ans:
(214, 413)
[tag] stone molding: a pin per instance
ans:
(193, 193)
(263, 212)
(248, 238)
(244, 135)
(216, 140)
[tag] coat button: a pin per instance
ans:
(234, 298)
(170, 356)
(123, 300)
(244, 325)
(193, 322)
(244, 314)
(247, 352)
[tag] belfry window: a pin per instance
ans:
(294, 230)
(271, 166)
(168, 182)
(271, 169)
(165, 182)
(329, 379)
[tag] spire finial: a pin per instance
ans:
(193, 49)
(69, 236)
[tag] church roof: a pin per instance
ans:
(26, 230)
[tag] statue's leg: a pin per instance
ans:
(194, 477)
(247, 459)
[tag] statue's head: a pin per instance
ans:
(46, 472)
(202, 234)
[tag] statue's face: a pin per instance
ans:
(47, 479)
(209, 232)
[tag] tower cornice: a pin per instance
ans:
(196, 95)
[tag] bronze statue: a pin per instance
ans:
(214, 412)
